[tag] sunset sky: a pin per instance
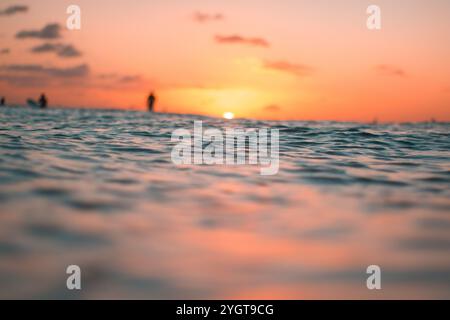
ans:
(288, 59)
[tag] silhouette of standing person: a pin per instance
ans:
(43, 101)
(151, 102)
(2, 101)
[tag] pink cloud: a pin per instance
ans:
(207, 17)
(292, 68)
(390, 70)
(236, 39)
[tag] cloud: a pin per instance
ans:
(62, 50)
(12, 10)
(120, 79)
(207, 17)
(129, 79)
(236, 39)
(107, 76)
(24, 80)
(299, 70)
(50, 31)
(5, 51)
(35, 69)
(116, 81)
(389, 70)
(272, 108)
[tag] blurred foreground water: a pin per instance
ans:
(98, 189)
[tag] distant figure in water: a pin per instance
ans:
(2, 101)
(43, 101)
(151, 102)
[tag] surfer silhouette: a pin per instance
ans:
(43, 101)
(151, 102)
(2, 101)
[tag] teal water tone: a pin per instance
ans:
(98, 189)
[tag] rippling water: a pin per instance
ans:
(98, 189)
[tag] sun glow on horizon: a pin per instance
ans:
(228, 115)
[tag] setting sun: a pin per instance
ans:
(228, 115)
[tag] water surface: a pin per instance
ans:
(98, 189)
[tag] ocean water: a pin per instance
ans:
(98, 189)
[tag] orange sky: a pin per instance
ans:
(289, 59)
